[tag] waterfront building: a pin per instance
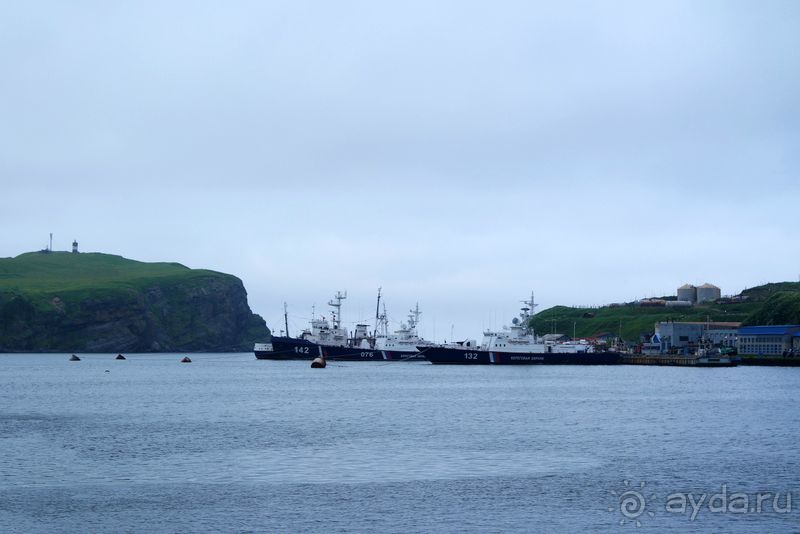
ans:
(768, 340)
(687, 336)
(678, 336)
(722, 334)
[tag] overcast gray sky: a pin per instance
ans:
(456, 153)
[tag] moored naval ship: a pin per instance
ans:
(406, 340)
(518, 344)
(331, 341)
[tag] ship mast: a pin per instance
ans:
(337, 315)
(286, 318)
(377, 315)
(527, 314)
(413, 317)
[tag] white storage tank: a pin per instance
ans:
(708, 293)
(687, 292)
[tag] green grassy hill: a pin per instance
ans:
(778, 308)
(768, 304)
(41, 275)
(60, 301)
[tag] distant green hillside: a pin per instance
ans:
(779, 308)
(768, 304)
(61, 301)
(761, 293)
(42, 274)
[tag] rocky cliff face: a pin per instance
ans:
(207, 312)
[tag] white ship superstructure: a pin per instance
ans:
(330, 334)
(520, 337)
(331, 340)
(519, 345)
(405, 339)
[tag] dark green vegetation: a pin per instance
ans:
(93, 302)
(779, 308)
(770, 304)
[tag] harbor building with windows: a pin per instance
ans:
(685, 337)
(769, 340)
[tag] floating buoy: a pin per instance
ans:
(318, 363)
(186, 360)
(74, 358)
(119, 357)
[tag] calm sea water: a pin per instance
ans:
(229, 443)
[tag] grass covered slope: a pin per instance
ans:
(61, 301)
(770, 304)
(779, 308)
(39, 273)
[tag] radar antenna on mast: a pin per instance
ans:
(413, 317)
(527, 313)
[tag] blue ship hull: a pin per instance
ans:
(444, 355)
(287, 348)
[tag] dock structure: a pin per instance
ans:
(641, 359)
(677, 360)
